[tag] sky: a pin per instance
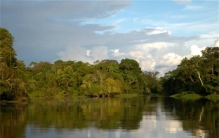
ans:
(156, 33)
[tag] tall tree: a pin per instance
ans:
(198, 74)
(211, 69)
(11, 83)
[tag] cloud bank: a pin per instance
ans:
(88, 31)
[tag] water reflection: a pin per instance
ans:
(200, 117)
(111, 118)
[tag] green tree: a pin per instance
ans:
(64, 77)
(199, 74)
(130, 65)
(134, 80)
(153, 85)
(211, 69)
(7, 63)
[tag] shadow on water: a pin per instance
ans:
(110, 114)
(198, 117)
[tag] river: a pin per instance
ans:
(137, 117)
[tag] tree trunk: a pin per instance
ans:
(199, 77)
(191, 79)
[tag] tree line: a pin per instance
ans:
(198, 74)
(69, 78)
(103, 78)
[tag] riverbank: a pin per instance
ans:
(213, 97)
(194, 96)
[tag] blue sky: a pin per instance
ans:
(158, 34)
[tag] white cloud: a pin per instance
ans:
(116, 53)
(203, 41)
(158, 30)
(160, 56)
(196, 46)
(158, 45)
(157, 49)
(146, 62)
(74, 53)
(137, 54)
(195, 50)
(187, 28)
(88, 53)
(171, 59)
(163, 56)
(210, 35)
(147, 65)
(115, 50)
(216, 42)
(81, 54)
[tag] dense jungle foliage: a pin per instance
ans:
(199, 74)
(103, 78)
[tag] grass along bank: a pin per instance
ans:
(212, 97)
(194, 96)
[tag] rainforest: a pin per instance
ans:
(106, 78)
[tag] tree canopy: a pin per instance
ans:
(105, 78)
(198, 74)
(12, 84)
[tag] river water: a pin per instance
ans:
(137, 117)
